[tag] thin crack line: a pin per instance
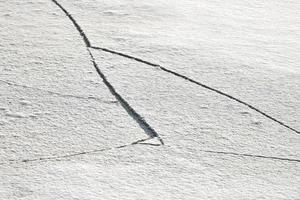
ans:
(250, 155)
(56, 93)
(143, 142)
(200, 84)
(78, 153)
(137, 117)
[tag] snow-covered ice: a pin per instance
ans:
(67, 134)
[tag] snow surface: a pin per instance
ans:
(64, 135)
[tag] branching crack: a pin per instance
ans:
(126, 56)
(200, 84)
(137, 117)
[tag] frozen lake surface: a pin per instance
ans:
(162, 99)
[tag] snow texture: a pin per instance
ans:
(128, 99)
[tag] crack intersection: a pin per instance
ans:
(139, 119)
(199, 84)
(130, 110)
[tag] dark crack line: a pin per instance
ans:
(137, 117)
(149, 144)
(57, 93)
(198, 83)
(126, 56)
(251, 155)
(79, 29)
(78, 153)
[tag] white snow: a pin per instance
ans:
(64, 135)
